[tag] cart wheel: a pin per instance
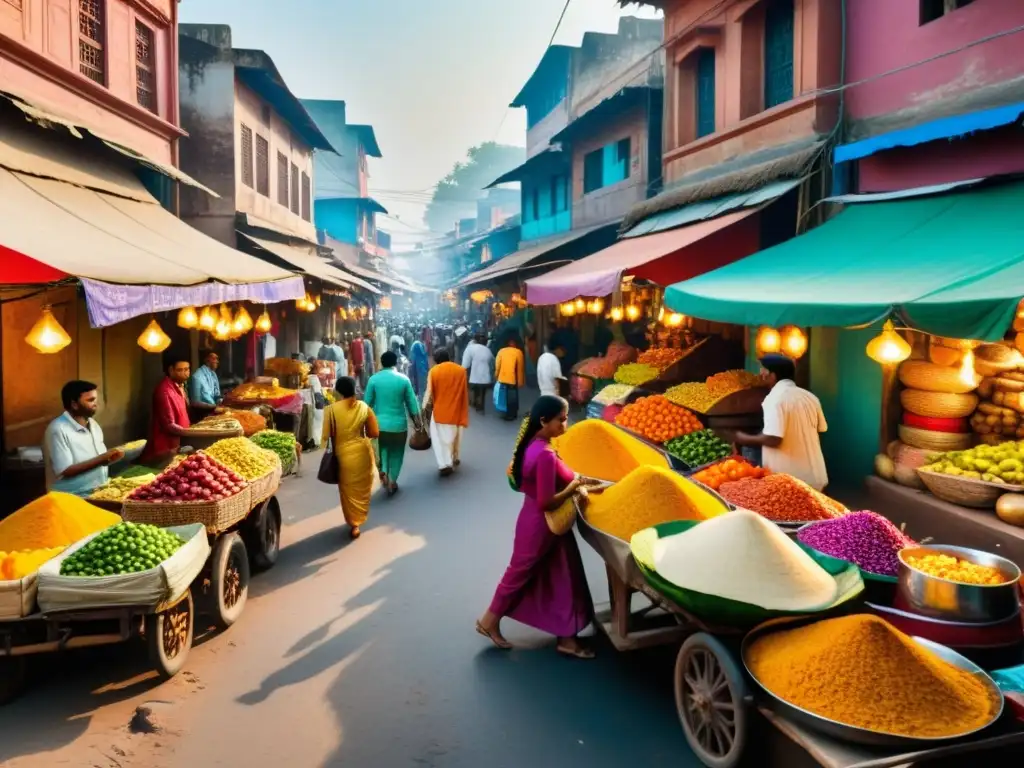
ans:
(13, 675)
(710, 692)
(169, 636)
(229, 579)
(263, 537)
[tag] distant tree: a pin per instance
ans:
(456, 194)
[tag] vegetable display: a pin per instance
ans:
(197, 478)
(657, 419)
(699, 448)
(728, 470)
(636, 374)
(243, 456)
(281, 443)
(119, 487)
(1003, 463)
(123, 548)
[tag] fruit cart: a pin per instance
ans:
(716, 699)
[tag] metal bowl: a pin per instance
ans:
(865, 736)
(954, 601)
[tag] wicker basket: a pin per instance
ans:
(262, 488)
(217, 516)
(934, 441)
(965, 491)
(939, 405)
(920, 374)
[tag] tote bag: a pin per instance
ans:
(329, 471)
(500, 398)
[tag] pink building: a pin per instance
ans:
(937, 90)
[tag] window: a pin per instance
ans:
(282, 179)
(623, 153)
(778, 53)
(145, 67)
(936, 9)
(705, 92)
(306, 203)
(295, 189)
(593, 171)
(247, 155)
(262, 166)
(91, 35)
(265, 114)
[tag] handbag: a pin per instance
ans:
(500, 398)
(329, 471)
(561, 520)
(419, 440)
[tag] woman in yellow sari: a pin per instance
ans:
(351, 425)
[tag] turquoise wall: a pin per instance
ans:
(339, 218)
(547, 226)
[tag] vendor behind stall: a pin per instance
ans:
(204, 386)
(75, 456)
(170, 420)
(793, 420)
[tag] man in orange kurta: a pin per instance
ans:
(447, 400)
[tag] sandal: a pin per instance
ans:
(576, 653)
(499, 642)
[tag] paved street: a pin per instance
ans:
(364, 655)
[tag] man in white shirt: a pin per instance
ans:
(793, 420)
(549, 369)
(478, 360)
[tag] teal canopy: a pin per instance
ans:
(951, 265)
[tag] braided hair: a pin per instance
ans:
(546, 408)
(519, 441)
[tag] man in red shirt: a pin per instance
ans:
(357, 358)
(170, 409)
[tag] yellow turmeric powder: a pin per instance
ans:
(597, 449)
(861, 671)
(54, 520)
(648, 496)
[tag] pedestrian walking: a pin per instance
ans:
(478, 361)
(544, 585)
(549, 370)
(390, 397)
(510, 373)
(350, 425)
(419, 364)
(447, 401)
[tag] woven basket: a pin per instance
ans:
(940, 405)
(217, 516)
(965, 491)
(936, 423)
(934, 441)
(262, 488)
(919, 374)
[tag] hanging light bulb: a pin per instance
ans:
(47, 335)
(263, 322)
(888, 347)
(596, 307)
(794, 342)
(207, 319)
(568, 309)
(243, 319)
(225, 313)
(222, 330)
(633, 312)
(317, 300)
(153, 339)
(617, 314)
(967, 374)
(661, 314)
(581, 305)
(768, 341)
(674, 320)
(188, 318)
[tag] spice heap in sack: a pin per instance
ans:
(727, 471)
(596, 449)
(860, 671)
(18, 565)
(281, 443)
(741, 556)
(598, 367)
(660, 358)
(244, 457)
(54, 520)
(649, 496)
(864, 538)
(253, 391)
(782, 499)
(124, 548)
(657, 419)
(636, 374)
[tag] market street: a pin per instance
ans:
(364, 654)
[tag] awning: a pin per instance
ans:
(951, 265)
(514, 262)
(370, 274)
(545, 158)
(306, 260)
(942, 128)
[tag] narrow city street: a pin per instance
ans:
(364, 654)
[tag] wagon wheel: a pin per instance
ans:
(710, 692)
(262, 535)
(169, 636)
(229, 579)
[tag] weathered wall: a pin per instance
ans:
(539, 136)
(599, 66)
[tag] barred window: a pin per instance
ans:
(262, 166)
(282, 179)
(247, 155)
(145, 67)
(306, 203)
(295, 189)
(92, 58)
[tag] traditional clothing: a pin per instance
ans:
(389, 394)
(544, 585)
(420, 364)
(351, 425)
(448, 397)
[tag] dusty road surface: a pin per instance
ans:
(363, 654)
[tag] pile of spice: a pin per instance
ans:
(860, 671)
(636, 374)
(956, 569)
(595, 448)
(741, 556)
(864, 538)
(782, 499)
(54, 520)
(649, 496)
(661, 358)
(727, 471)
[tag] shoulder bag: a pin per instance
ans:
(329, 472)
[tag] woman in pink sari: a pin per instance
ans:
(544, 586)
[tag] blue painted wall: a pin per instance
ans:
(548, 85)
(339, 218)
(546, 208)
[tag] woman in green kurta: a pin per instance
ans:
(392, 399)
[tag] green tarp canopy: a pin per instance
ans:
(951, 265)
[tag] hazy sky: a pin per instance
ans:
(433, 77)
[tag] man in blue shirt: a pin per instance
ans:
(75, 457)
(204, 386)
